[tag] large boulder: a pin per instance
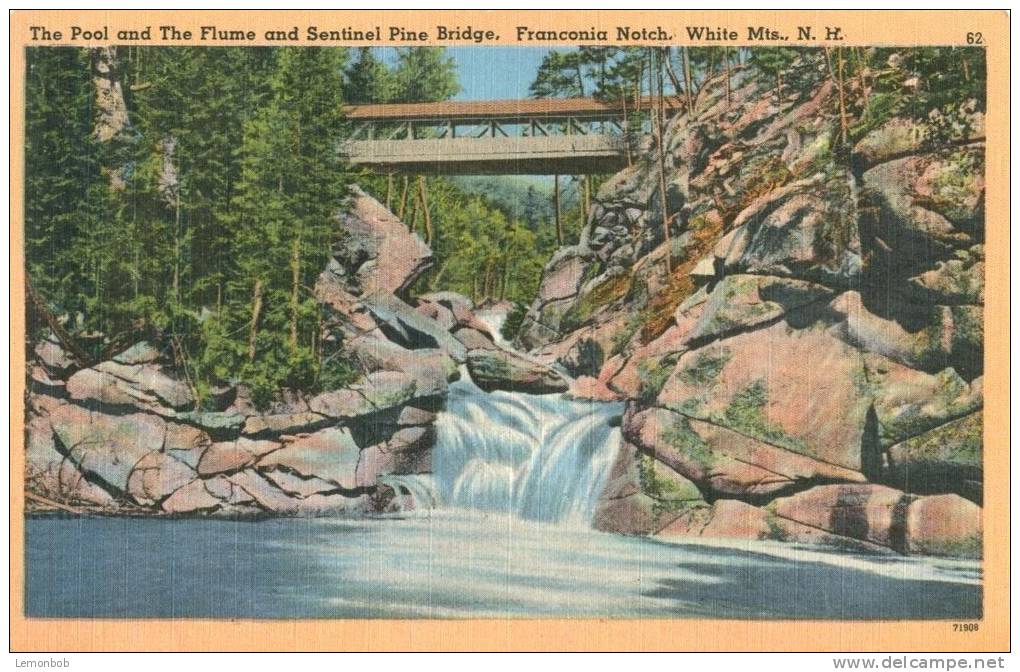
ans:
(51, 474)
(231, 456)
(144, 386)
(642, 495)
(379, 251)
(407, 327)
(908, 402)
(431, 368)
(261, 426)
(191, 498)
(933, 200)
(785, 232)
(723, 461)
(563, 275)
(727, 519)
(107, 447)
(948, 458)
(329, 454)
(150, 380)
(790, 386)
(944, 525)
(921, 336)
(503, 370)
(156, 476)
(872, 513)
(742, 302)
(406, 452)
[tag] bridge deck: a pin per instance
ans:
(519, 109)
(566, 136)
(554, 155)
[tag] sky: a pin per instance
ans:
(490, 73)
(494, 73)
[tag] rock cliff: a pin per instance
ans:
(801, 351)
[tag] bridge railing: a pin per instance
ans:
(547, 136)
(493, 128)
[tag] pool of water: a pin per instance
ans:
(451, 564)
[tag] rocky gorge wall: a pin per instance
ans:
(126, 436)
(802, 358)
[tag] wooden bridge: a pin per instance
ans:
(549, 136)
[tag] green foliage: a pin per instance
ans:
(774, 63)
(706, 368)
(292, 184)
(514, 319)
(226, 176)
(478, 250)
(604, 294)
(424, 74)
(653, 374)
(746, 414)
(948, 77)
(777, 531)
(621, 338)
(669, 495)
(70, 240)
(690, 444)
(369, 80)
(559, 76)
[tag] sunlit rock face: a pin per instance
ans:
(792, 322)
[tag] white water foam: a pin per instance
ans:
(538, 457)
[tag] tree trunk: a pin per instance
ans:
(295, 282)
(423, 196)
(662, 178)
(389, 191)
(843, 123)
(487, 282)
(67, 342)
(434, 283)
(556, 203)
(672, 74)
(586, 183)
(626, 129)
(506, 279)
(256, 310)
(687, 82)
(837, 79)
(726, 61)
(177, 234)
(403, 200)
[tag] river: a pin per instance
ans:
(502, 529)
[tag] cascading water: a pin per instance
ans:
(538, 457)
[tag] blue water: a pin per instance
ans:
(456, 564)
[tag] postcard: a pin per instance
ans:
(510, 330)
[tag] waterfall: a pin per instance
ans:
(538, 457)
(494, 320)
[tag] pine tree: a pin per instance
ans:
(424, 74)
(74, 239)
(369, 80)
(292, 185)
